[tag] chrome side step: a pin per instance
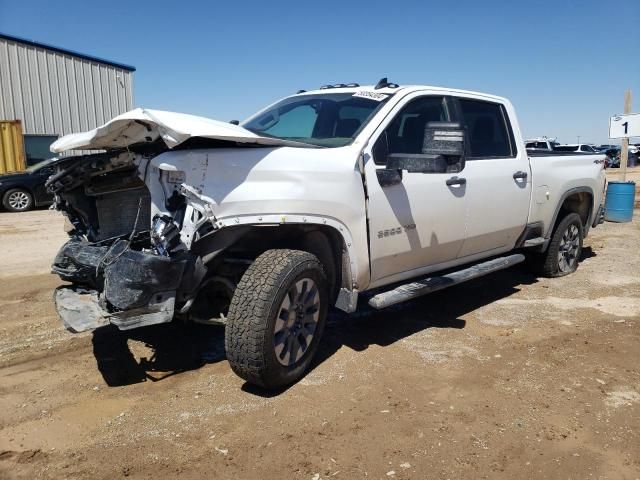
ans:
(433, 284)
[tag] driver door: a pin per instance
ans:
(418, 223)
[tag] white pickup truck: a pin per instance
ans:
(318, 198)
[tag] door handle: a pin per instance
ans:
(520, 174)
(456, 181)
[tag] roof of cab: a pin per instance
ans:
(404, 88)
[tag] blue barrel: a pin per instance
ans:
(618, 206)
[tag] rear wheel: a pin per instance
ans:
(17, 200)
(276, 318)
(562, 255)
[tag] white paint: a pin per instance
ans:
(272, 186)
(145, 126)
(555, 175)
(435, 226)
(423, 200)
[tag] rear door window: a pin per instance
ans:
(488, 130)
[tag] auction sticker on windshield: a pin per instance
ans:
(378, 97)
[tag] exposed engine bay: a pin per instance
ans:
(166, 219)
(133, 263)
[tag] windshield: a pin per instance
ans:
(326, 120)
(39, 165)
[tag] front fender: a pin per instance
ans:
(357, 273)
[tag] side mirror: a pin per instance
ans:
(417, 163)
(442, 151)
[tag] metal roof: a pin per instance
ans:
(67, 52)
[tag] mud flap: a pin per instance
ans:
(599, 218)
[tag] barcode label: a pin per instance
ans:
(378, 97)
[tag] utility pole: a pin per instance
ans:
(578, 139)
(624, 152)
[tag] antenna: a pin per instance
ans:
(382, 83)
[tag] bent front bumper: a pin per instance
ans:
(117, 285)
(80, 310)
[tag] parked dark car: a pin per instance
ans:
(21, 191)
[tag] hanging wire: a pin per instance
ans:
(127, 246)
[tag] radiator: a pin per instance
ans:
(117, 212)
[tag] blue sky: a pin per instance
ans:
(565, 64)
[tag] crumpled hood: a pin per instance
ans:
(144, 126)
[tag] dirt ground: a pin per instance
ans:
(510, 376)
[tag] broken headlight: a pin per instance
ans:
(165, 236)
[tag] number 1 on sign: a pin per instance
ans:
(626, 126)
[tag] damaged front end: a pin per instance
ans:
(125, 258)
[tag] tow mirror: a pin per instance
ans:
(442, 151)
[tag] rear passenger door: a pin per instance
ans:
(498, 185)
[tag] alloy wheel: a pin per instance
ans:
(296, 321)
(569, 247)
(19, 200)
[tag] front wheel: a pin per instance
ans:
(276, 318)
(17, 200)
(562, 255)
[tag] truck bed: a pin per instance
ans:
(556, 175)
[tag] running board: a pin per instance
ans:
(433, 284)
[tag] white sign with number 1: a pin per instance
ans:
(624, 126)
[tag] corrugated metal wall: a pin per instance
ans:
(11, 147)
(57, 93)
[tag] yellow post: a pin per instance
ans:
(624, 152)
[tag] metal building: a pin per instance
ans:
(53, 91)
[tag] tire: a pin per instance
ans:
(17, 200)
(266, 340)
(562, 255)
